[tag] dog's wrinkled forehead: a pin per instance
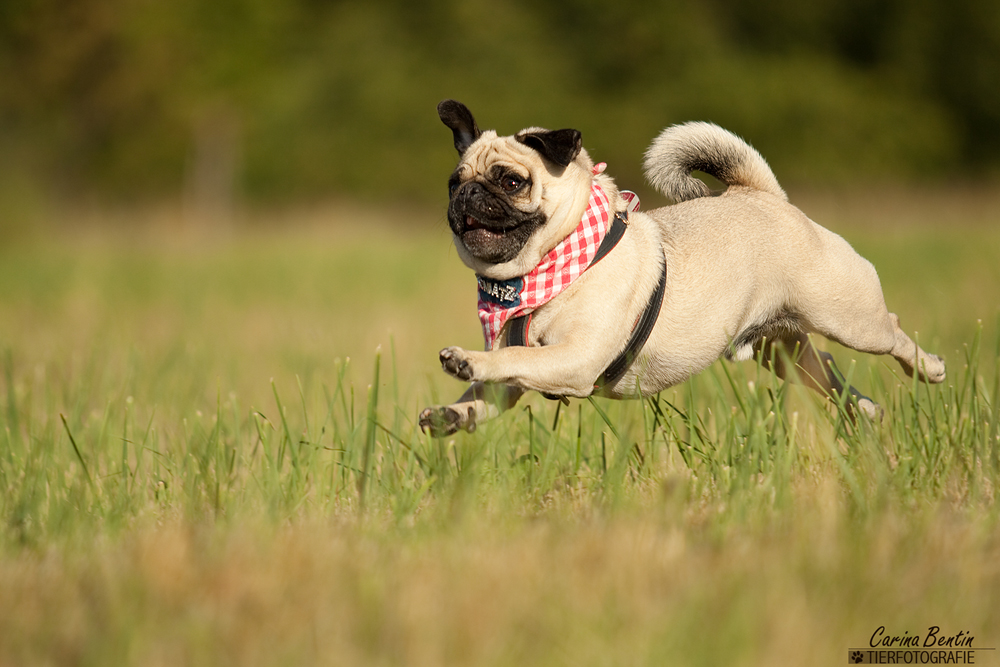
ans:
(490, 153)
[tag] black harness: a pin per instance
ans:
(517, 328)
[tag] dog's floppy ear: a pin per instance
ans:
(559, 146)
(457, 116)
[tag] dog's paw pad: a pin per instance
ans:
(440, 422)
(454, 363)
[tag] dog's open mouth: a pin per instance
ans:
(472, 224)
(493, 239)
(475, 231)
(490, 243)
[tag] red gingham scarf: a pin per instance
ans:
(500, 300)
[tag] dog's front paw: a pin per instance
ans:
(455, 362)
(439, 422)
(444, 421)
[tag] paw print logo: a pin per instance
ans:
(857, 657)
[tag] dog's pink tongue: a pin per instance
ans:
(471, 223)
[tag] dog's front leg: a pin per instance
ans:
(480, 402)
(560, 370)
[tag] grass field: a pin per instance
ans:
(209, 456)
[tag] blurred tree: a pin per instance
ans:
(285, 99)
(78, 97)
(945, 54)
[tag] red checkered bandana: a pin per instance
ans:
(500, 300)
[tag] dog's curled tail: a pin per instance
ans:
(705, 147)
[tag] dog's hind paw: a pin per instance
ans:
(870, 409)
(928, 367)
(932, 369)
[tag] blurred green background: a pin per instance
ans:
(212, 213)
(250, 102)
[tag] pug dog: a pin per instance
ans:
(579, 293)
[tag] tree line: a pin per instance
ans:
(279, 100)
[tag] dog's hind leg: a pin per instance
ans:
(844, 302)
(816, 370)
(928, 367)
(850, 308)
(482, 401)
(880, 333)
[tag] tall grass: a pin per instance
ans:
(189, 481)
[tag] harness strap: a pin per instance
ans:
(517, 334)
(611, 239)
(517, 328)
(640, 334)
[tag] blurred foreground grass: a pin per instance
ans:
(194, 473)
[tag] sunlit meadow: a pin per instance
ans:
(209, 456)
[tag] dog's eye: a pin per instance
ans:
(511, 183)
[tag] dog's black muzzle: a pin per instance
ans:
(488, 225)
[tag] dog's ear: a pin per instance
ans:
(457, 116)
(559, 146)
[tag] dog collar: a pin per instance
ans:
(501, 300)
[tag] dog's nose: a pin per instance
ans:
(471, 190)
(476, 195)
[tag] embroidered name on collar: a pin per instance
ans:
(503, 293)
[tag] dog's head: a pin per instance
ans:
(514, 198)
